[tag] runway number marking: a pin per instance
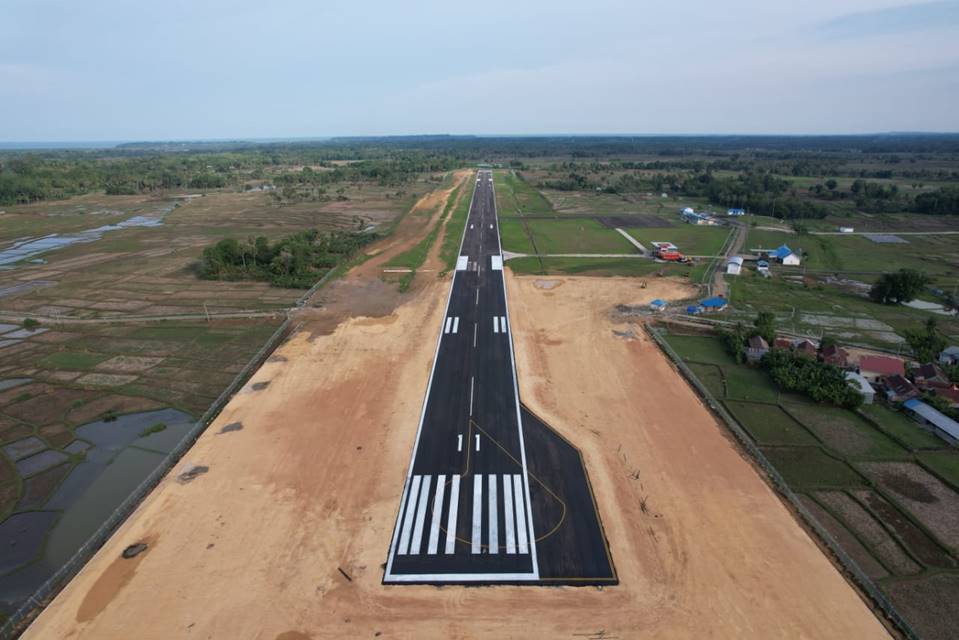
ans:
(477, 441)
(459, 442)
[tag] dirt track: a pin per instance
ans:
(253, 548)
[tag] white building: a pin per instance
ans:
(791, 260)
(949, 355)
(734, 266)
(860, 384)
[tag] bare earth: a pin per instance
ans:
(311, 482)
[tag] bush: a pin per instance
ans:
(820, 381)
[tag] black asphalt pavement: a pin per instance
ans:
(470, 512)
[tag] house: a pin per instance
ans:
(693, 310)
(834, 354)
(657, 305)
(697, 218)
(782, 343)
(874, 367)
(845, 229)
(784, 255)
(860, 384)
(756, 348)
(899, 389)
(687, 211)
(762, 266)
(949, 394)
(734, 266)
(736, 212)
(944, 426)
(949, 355)
(930, 375)
(806, 349)
(714, 304)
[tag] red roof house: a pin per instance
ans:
(930, 375)
(898, 389)
(874, 367)
(834, 354)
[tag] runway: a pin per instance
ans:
(492, 495)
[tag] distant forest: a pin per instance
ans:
(742, 171)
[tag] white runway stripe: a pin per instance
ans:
(508, 513)
(417, 542)
(437, 515)
(411, 496)
(449, 322)
(477, 540)
(493, 516)
(495, 324)
(451, 518)
(522, 541)
(456, 324)
(502, 322)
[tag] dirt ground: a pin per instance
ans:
(285, 534)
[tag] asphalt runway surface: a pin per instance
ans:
(493, 495)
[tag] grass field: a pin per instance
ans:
(820, 450)
(694, 240)
(638, 267)
(514, 196)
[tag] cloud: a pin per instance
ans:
(943, 14)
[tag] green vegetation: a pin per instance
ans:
(72, 360)
(455, 226)
(296, 261)
(769, 424)
(30, 323)
(514, 196)
(811, 467)
(820, 381)
(902, 286)
(156, 428)
(943, 463)
(693, 240)
(594, 267)
(900, 427)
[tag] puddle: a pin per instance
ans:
(10, 383)
(126, 430)
(40, 462)
(28, 248)
(23, 535)
(77, 499)
(24, 448)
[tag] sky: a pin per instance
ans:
(239, 69)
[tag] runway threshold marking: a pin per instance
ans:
(408, 516)
(493, 527)
(420, 515)
(509, 514)
(477, 541)
(437, 511)
(451, 518)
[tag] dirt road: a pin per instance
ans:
(285, 535)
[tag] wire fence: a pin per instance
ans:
(864, 582)
(16, 623)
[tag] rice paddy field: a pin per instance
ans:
(884, 488)
(111, 347)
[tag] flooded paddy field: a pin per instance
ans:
(92, 395)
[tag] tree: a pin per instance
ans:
(902, 286)
(926, 343)
(765, 325)
(831, 184)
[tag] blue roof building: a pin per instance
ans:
(736, 212)
(657, 304)
(781, 252)
(714, 304)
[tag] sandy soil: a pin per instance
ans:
(308, 484)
